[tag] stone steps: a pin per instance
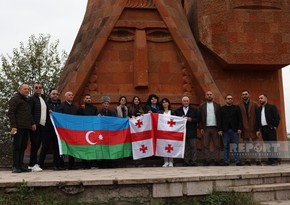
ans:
(265, 188)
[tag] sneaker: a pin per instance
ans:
(166, 164)
(35, 168)
(170, 164)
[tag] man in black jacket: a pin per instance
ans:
(67, 107)
(268, 119)
(40, 113)
(230, 129)
(50, 138)
(21, 123)
(89, 110)
(192, 116)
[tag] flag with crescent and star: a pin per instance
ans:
(92, 137)
(142, 136)
(169, 135)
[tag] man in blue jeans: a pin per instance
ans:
(230, 129)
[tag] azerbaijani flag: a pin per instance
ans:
(92, 137)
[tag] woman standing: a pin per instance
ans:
(152, 104)
(121, 109)
(135, 109)
(166, 110)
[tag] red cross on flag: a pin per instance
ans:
(141, 136)
(170, 135)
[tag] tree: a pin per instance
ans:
(38, 61)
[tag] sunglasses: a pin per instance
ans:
(36, 87)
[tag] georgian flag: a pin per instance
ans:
(142, 136)
(170, 135)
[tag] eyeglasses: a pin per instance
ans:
(36, 87)
(229, 98)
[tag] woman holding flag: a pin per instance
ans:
(166, 110)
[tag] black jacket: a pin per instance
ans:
(67, 108)
(19, 112)
(191, 127)
(271, 114)
(34, 102)
(231, 118)
(88, 109)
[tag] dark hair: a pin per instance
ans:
(134, 99)
(245, 91)
(227, 96)
(121, 98)
(152, 96)
(165, 100)
(265, 95)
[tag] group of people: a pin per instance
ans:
(29, 117)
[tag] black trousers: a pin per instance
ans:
(20, 140)
(36, 138)
(269, 135)
(49, 139)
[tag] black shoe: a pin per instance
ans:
(248, 163)
(61, 168)
(193, 164)
(72, 168)
(217, 164)
(16, 170)
(25, 169)
(206, 163)
(275, 164)
(239, 164)
(226, 164)
(258, 163)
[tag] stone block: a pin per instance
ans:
(264, 196)
(282, 194)
(167, 190)
(198, 188)
(223, 183)
(241, 182)
(256, 181)
(282, 179)
(269, 180)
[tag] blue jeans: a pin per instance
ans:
(228, 137)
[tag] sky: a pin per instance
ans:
(61, 19)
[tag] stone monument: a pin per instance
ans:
(180, 47)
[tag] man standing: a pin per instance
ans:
(40, 113)
(248, 111)
(268, 120)
(21, 123)
(105, 111)
(50, 138)
(87, 109)
(67, 107)
(231, 128)
(209, 123)
(192, 116)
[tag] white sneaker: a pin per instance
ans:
(165, 164)
(35, 168)
(170, 164)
